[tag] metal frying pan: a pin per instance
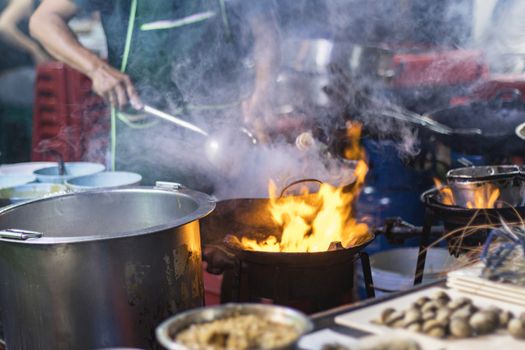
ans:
(497, 119)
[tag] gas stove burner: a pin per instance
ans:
(311, 282)
(305, 259)
(465, 228)
(455, 217)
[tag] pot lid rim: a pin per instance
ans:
(205, 205)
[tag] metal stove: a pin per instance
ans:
(311, 282)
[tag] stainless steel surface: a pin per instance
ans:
(280, 314)
(466, 182)
(426, 122)
(111, 264)
(20, 235)
(18, 194)
(172, 119)
(478, 173)
(308, 69)
(176, 23)
(314, 56)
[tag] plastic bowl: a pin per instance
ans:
(12, 180)
(25, 168)
(73, 169)
(106, 179)
(27, 192)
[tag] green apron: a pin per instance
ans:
(173, 49)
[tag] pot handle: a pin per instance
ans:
(19, 235)
(169, 186)
(287, 187)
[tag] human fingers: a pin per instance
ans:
(111, 98)
(134, 98)
(120, 93)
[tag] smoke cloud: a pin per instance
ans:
(312, 90)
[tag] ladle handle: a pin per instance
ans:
(287, 187)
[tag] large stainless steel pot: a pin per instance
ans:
(103, 270)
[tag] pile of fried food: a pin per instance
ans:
(238, 333)
(444, 317)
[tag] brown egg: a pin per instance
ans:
(483, 322)
(460, 327)
(516, 328)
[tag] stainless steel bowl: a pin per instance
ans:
(168, 330)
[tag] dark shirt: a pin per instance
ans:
(202, 63)
(13, 57)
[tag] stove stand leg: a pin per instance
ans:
(367, 274)
(423, 246)
(236, 283)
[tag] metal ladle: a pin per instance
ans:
(172, 119)
(217, 146)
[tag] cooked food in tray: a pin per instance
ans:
(441, 316)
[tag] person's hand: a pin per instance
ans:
(115, 87)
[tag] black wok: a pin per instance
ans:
(497, 119)
(245, 217)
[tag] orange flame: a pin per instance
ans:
(447, 197)
(353, 150)
(312, 223)
(484, 196)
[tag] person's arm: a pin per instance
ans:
(258, 110)
(15, 11)
(266, 52)
(49, 26)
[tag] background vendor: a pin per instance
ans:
(212, 62)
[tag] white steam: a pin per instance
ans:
(166, 152)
